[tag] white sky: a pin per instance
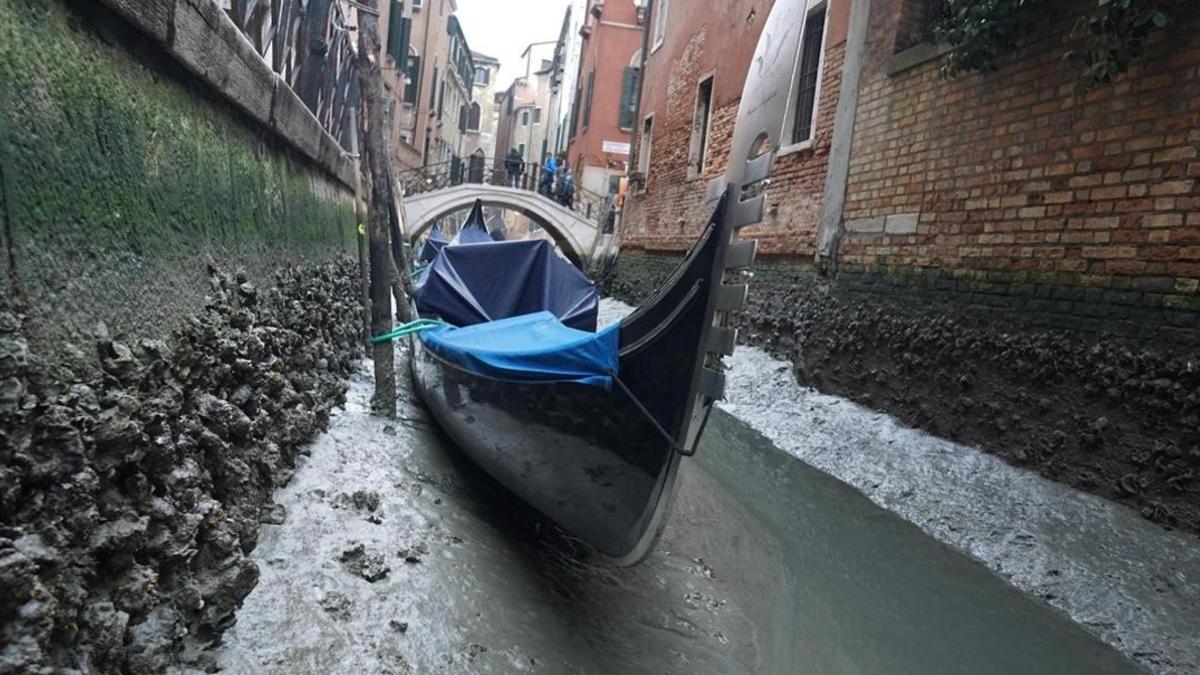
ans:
(503, 28)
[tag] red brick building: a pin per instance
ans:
(699, 54)
(1007, 189)
(601, 119)
(1013, 183)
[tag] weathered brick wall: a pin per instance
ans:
(1012, 183)
(670, 213)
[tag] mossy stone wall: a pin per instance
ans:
(120, 173)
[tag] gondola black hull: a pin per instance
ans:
(584, 456)
(600, 462)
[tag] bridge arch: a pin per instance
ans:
(574, 234)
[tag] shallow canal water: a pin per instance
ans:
(767, 566)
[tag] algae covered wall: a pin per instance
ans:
(120, 174)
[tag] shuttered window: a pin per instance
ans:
(629, 91)
(399, 33)
(587, 106)
(413, 73)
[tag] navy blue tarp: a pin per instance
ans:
(477, 283)
(474, 229)
(530, 348)
(433, 244)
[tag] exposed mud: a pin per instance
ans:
(1103, 415)
(134, 475)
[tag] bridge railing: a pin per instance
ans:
(483, 171)
(308, 44)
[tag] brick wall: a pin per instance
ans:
(1014, 180)
(670, 213)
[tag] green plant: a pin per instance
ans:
(1113, 34)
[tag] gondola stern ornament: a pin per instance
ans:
(765, 107)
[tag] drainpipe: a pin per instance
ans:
(833, 203)
(638, 125)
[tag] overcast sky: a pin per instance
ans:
(502, 29)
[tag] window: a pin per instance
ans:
(398, 32)
(587, 105)
(441, 99)
(917, 19)
(537, 115)
(700, 122)
(417, 4)
(473, 117)
(647, 141)
(482, 76)
(434, 89)
(575, 111)
(521, 149)
(660, 23)
(808, 80)
(412, 74)
(629, 91)
(525, 117)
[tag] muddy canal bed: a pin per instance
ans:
(396, 554)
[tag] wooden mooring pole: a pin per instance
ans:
(380, 208)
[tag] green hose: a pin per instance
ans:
(408, 329)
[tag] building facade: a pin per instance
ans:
(482, 115)
(1009, 189)
(434, 85)
(1016, 187)
(695, 69)
(601, 122)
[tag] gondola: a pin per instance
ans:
(588, 426)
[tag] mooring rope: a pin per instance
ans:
(408, 329)
(654, 421)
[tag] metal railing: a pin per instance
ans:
(484, 171)
(308, 43)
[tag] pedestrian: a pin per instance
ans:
(546, 184)
(515, 166)
(566, 196)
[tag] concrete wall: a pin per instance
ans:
(121, 172)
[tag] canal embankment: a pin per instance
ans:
(398, 554)
(1104, 414)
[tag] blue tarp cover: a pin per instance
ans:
(474, 228)
(530, 348)
(478, 283)
(433, 244)
(472, 235)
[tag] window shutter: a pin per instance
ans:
(587, 108)
(629, 89)
(414, 80)
(398, 32)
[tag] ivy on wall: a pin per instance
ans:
(1114, 34)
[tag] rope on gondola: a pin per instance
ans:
(654, 421)
(408, 329)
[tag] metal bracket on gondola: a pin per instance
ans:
(732, 298)
(722, 340)
(740, 254)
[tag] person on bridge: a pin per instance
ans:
(549, 170)
(515, 166)
(566, 194)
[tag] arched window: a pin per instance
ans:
(473, 117)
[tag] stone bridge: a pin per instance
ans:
(577, 236)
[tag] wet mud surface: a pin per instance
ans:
(134, 475)
(1116, 419)
(767, 566)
